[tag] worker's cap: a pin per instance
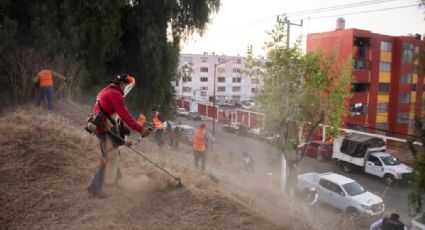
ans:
(202, 126)
(122, 78)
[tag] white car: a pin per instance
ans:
(182, 112)
(342, 193)
(417, 223)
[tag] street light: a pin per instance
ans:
(214, 98)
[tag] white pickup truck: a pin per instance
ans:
(342, 193)
(368, 153)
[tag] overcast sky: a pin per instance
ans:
(243, 22)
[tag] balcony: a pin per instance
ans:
(361, 64)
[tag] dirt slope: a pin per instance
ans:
(47, 163)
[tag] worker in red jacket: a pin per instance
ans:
(110, 102)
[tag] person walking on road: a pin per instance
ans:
(45, 80)
(158, 123)
(109, 106)
(199, 146)
(392, 223)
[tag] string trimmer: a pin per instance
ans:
(177, 179)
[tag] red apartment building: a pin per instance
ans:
(387, 88)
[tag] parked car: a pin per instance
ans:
(342, 193)
(182, 112)
(231, 128)
(367, 153)
(196, 116)
(315, 147)
(418, 223)
(248, 105)
(186, 133)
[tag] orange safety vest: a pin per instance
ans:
(156, 122)
(45, 78)
(199, 140)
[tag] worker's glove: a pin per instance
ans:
(146, 132)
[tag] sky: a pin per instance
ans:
(240, 23)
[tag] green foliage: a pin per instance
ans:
(104, 38)
(299, 89)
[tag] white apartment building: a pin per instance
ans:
(196, 79)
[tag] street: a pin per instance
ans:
(395, 198)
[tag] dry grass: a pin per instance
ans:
(47, 164)
(48, 161)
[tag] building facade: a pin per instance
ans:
(196, 78)
(387, 87)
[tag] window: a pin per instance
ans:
(221, 60)
(236, 70)
(253, 90)
(384, 87)
(353, 188)
(406, 78)
(385, 67)
(382, 107)
(402, 117)
(204, 69)
(203, 88)
(404, 98)
(386, 46)
(415, 69)
(221, 79)
(413, 87)
(204, 59)
(407, 53)
(238, 61)
(325, 184)
(236, 80)
(203, 93)
(187, 59)
(236, 88)
(382, 126)
(221, 70)
(374, 160)
(255, 81)
(221, 89)
(187, 79)
(411, 124)
(360, 87)
(204, 79)
(331, 187)
(408, 46)
(187, 89)
(361, 64)
(358, 109)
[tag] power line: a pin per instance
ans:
(322, 10)
(363, 12)
(337, 7)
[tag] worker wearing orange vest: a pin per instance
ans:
(45, 79)
(158, 123)
(199, 146)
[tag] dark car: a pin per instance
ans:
(196, 116)
(315, 147)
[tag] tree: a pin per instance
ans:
(299, 90)
(104, 38)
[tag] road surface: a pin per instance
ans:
(395, 198)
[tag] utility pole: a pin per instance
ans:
(214, 99)
(288, 31)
